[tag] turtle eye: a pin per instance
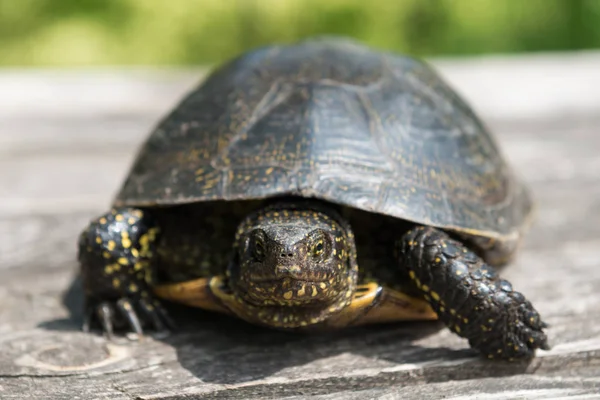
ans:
(318, 246)
(317, 249)
(257, 247)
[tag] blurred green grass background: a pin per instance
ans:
(182, 32)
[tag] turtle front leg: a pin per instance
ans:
(469, 297)
(115, 254)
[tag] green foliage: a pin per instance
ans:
(96, 32)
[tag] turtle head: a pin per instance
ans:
(295, 267)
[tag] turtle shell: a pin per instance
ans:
(332, 119)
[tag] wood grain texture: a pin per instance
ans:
(66, 140)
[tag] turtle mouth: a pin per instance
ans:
(274, 314)
(274, 280)
(278, 281)
(289, 310)
(288, 292)
(277, 315)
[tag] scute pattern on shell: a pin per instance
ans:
(332, 119)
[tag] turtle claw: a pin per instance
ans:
(106, 315)
(103, 314)
(165, 317)
(129, 315)
(157, 315)
(152, 314)
(126, 309)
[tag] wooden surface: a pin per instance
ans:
(66, 140)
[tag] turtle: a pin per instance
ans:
(317, 185)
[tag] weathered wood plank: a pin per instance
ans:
(63, 155)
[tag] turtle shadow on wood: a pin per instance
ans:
(230, 351)
(222, 350)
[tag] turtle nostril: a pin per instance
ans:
(287, 255)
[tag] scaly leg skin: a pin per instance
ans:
(115, 255)
(469, 297)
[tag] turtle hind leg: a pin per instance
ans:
(115, 256)
(469, 297)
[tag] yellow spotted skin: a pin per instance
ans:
(122, 243)
(294, 265)
(470, 297)
(116, 254)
